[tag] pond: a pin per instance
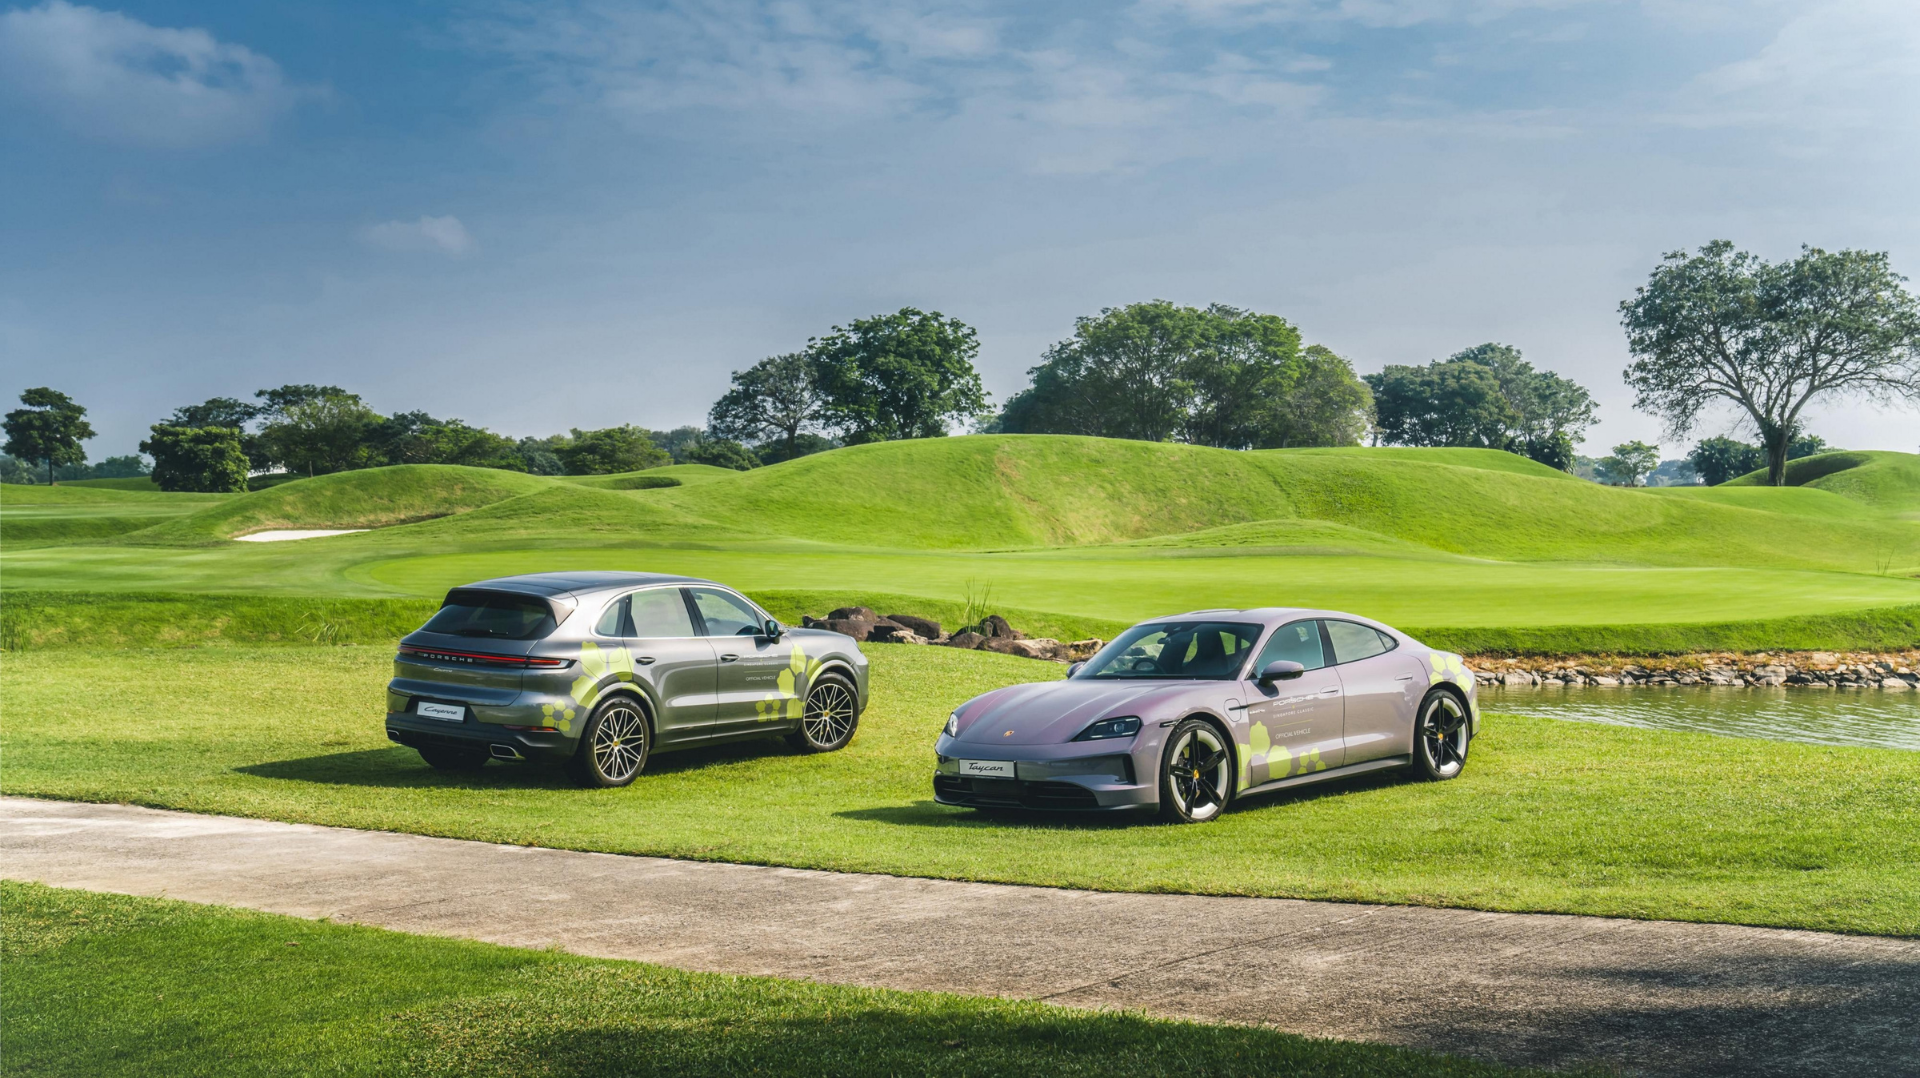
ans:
(1872, 717)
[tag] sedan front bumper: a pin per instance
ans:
(1104, 782)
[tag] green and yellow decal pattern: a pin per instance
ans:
(1265, 761)
(596, 664)
(1450, 667)
(789, 700)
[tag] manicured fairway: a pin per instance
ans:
(101, 985)
(1073, 529)
(1549, 816)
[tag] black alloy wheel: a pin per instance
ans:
(1440, 737)
(613, 747)
(444, 758)
(831, 716)
(1196, 774)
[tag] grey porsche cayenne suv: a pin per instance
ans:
(599, 670)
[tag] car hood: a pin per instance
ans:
(1051, 712)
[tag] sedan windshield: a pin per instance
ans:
(1188, 650)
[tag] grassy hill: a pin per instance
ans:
(1074, 531)
(1889, 482)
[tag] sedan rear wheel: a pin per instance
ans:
(613, 747)
(1440, 740)
(1196, 774)
(831, 716)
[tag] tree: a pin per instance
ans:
(1723, 326)
(418, 438)
(1630, 463)
(1123, 374)
(12, 471)
(197, 458)
(235, 414)
(721, 453)
(48, 430)
(804, 446)
(541, 456)
(277, 402)
(322, 434)
(1720, 459)
(1486, 396)
(130, 466)
(1322, 403)
(902, 375)
(775, 398)
(614, 449)
(1441, 404)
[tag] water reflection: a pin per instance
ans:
(1888, 720)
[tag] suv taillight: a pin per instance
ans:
(476, 658)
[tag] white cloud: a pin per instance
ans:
(114, 77)
(1840, 64)
(442, 234)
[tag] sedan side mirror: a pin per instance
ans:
(1281, 670)
(1075, 669)
(772, 630)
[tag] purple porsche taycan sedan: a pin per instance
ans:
(1186, 713)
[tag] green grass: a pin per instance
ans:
(102, 985)
(138, 482)
(1886, 481)
(1550, 816)
(1467, 547)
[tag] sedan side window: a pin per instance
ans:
(1352, 642)
(1294, 642)
(659, 612)
(726, 614)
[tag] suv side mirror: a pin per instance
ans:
(772, 630)
(1075, 669)
(1281, 670)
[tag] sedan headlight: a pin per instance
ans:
(953, 725)
(1118, 726)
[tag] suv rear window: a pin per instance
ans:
(496, 614)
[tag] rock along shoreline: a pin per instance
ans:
(1893, 671)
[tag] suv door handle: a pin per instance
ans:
(645, 660)
(1404, 677)
(1329, 692)
(729, 658)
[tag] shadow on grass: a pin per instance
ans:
(402, 768)
(933, 814)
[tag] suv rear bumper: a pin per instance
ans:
(492, 739)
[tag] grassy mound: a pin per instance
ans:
(75, 513)
(138, 482)
(680, 474)
(1887, 481)
(371, 498)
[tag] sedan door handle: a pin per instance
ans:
(729, 658)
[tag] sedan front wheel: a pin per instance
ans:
(1196, 774)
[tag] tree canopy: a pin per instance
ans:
(1485, 397)
(908, 374)
(201, 458)
(48, 430)
(777, 397)
(1219, 376)
(1726, 327)
(614, 449)
(1630, 463)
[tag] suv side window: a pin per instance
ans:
(1297, 641)
(614, 620)
(1353, 642)
(658, 612)
(726, 614)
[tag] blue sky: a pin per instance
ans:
(536, 216)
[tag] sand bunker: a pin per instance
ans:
(283, 535)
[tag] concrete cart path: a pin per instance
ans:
(1642, 997)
